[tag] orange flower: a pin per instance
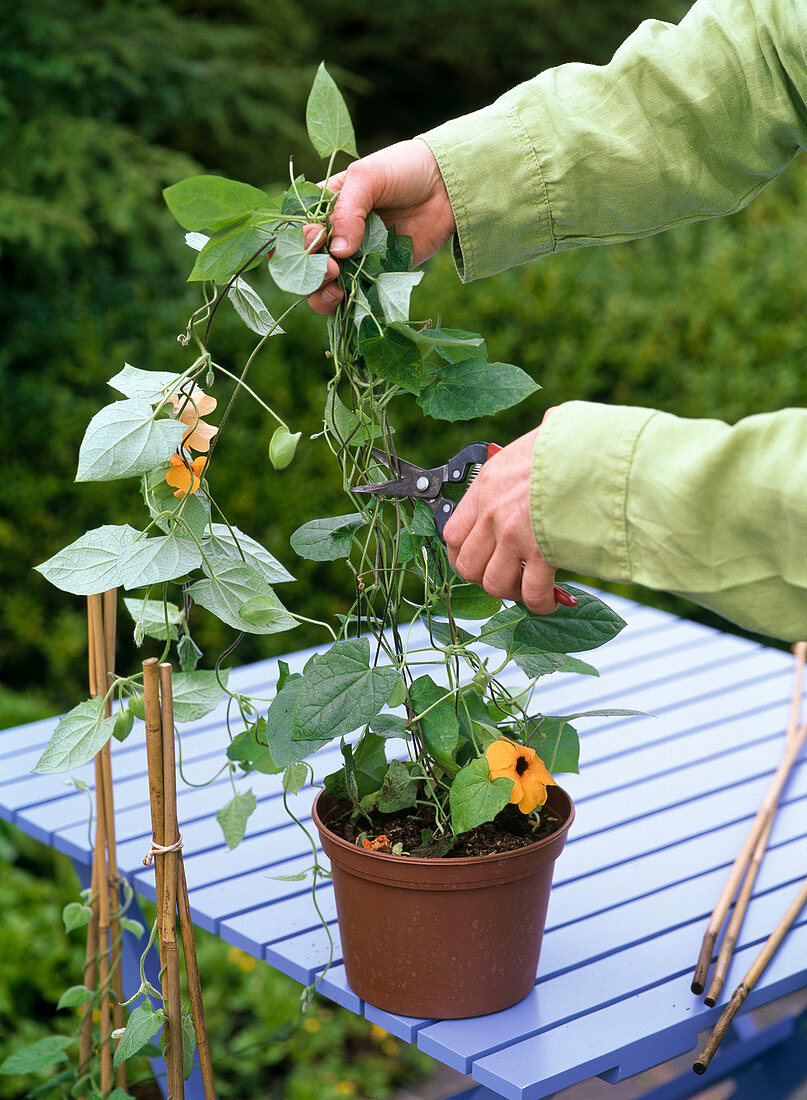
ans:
(508, 760)
(190, 408)
(184, 477)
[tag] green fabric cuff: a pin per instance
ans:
(579, 506)
(497, 191)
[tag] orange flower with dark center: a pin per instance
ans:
(508, 760)
(190, 408)
(184, 477)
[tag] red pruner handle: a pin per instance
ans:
(493, 449)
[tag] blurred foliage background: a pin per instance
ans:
(105, 102)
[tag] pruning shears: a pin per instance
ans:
(428, 485)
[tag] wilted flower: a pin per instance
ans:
(508, 760)
(190, 408)
(184, 477)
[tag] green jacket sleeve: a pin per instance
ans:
(686, 122)
(714, 513)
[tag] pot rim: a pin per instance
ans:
(454, 861)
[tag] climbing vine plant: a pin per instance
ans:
(364, 688)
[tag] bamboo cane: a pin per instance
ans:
(793, 743)
(169, 960)
(90, 976)
(744, 896)
(749, 981)
(195, 987)
(105, 1039)
(110, 607)
(103, 801)
(171, 859)
(182, 900)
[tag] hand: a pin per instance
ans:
(404, 186)
(489, 537)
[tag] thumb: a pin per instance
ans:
(358, 193)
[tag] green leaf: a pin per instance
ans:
(188, 1043)
(197, 693)
(468, 601)
(283, 446)
(249, 748)
(400, 254)
(230, 546)
(340, 692)
(399, 789)
(92, 563)
(123, 439)
(75, 915)
(440, 726)
(262, 611)
(188, 653)
(542, 664)
(191, 514)
(234, 816)
(145, 385)
(569, 629)
(232, 250)
(499, 630)
(348, 426)
(77, 738)
(153, 615)
(283, 673)
(304, 195)
(164, 558)
(39, 1055)
(389, 725)
(474, 387)
(294, 778)
(395, 357)
(293, 267)
(365, 767)
(452, 344)
(327, 118)
(283, 747)
(124, 721)
(375, 236)
(476, 798)
(558, 745)
(422, 521)
(326, 539)
(203, 202)
(132, 926)
(394, 291)
(141, 1026)
(74, 996)
(234, 585)
(250, 307)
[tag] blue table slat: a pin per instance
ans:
(620, 1035)
(663, 804)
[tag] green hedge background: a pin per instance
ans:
(102, 104)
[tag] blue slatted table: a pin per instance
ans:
(663, 804)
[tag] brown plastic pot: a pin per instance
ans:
(445, 937)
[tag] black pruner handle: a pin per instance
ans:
(442, 510)
(472, 455)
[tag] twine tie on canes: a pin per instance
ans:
(161, 849)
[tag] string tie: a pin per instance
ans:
(161, 850)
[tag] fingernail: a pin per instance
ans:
(564, 597)
(332, 293)
(338, 244)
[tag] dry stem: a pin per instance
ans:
(749, 981)
(793, 743)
